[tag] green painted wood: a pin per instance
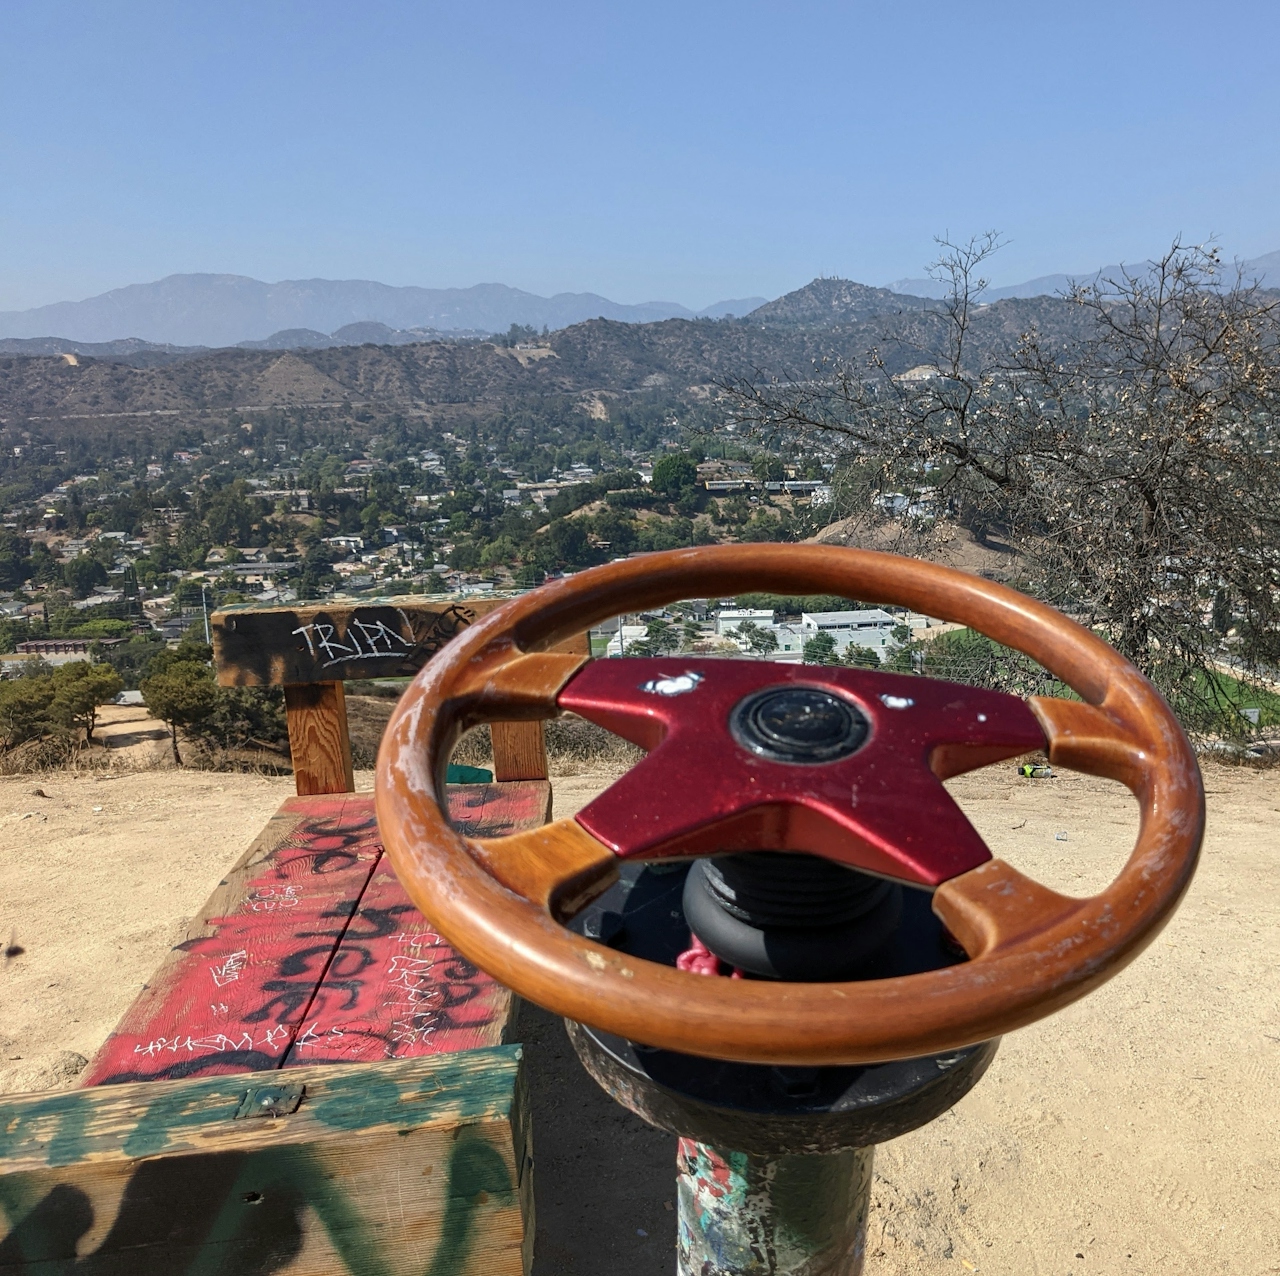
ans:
(151, 1117)
(417, 1166)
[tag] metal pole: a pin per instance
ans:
(791, 1215)
(204, 606)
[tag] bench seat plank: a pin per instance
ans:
(230, 997)
(307, 929)
(395, 989)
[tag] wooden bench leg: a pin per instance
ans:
(318, 738)
(519, 751)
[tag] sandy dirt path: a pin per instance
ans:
(1136, 1132)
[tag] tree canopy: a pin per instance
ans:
(1132, 470)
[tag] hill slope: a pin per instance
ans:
(601, 354)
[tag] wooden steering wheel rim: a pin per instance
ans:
(1032, 951)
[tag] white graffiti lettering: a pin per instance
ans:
(365, 640)
(313, 1038)
(215, 1043)
(266, 899)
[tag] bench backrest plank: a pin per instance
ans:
(310, 650)
(334, 642)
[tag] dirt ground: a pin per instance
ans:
(1136, 1132)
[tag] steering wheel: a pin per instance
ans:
(754, 755)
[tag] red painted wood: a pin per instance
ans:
(310, 938)
(231, 997)
(396, 990)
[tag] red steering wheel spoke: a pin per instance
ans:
(719, 777)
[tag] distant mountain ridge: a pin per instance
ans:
(830, 302)
(826, 318)
(225, 310)
(1265, 269)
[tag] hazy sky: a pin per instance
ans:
(687, 151)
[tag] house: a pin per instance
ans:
(872, 628)
(623, 637)
(728, 621)
(99, 598)
(352, 544)
(790, 638)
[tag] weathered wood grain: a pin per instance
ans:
(319, 739)
(230, 997)
(259, 646)
(413, 1167)
(519, 750)
(308, 951)
(395, 989)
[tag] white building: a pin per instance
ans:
(630, 634)
(727, 622)
(790, 639)
(872, 628)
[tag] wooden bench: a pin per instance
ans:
(309, 952)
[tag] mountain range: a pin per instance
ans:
(226, 310)
(182, 315)
(77, 395)
(1265, 269)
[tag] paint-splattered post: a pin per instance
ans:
(774, 1162)
(798, 1215)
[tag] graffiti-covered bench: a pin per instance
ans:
(308, 952)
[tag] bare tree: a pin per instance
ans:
(1133, 467)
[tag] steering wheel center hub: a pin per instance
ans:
(798, 724)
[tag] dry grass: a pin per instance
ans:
(574, 745)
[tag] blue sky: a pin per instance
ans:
(685, 151)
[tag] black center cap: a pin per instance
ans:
(798, 724)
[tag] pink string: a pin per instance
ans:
(698, 959)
